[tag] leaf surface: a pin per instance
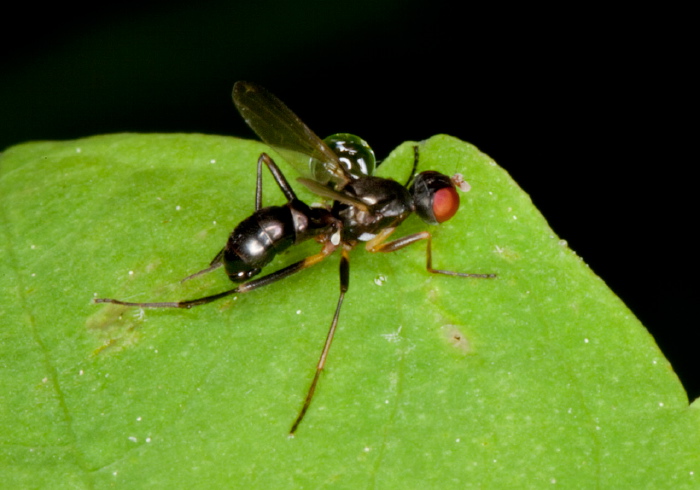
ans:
(537, 377)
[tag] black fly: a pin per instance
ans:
(365, 209)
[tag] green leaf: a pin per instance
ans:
(539, 376)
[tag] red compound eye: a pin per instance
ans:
(445, 204)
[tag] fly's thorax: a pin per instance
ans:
(388, 204)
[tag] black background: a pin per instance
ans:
(589, 109)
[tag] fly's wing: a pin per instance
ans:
(280, 128)
(328, 193)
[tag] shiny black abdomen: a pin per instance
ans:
(256, 240)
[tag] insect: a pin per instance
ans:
(364, 208)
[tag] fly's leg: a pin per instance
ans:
(415, 166)
(344, 284)
(243, 288)
(379, 244)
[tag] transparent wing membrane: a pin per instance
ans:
(280, 128)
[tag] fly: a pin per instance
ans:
(364, 208)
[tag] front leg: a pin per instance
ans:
(379, 244)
